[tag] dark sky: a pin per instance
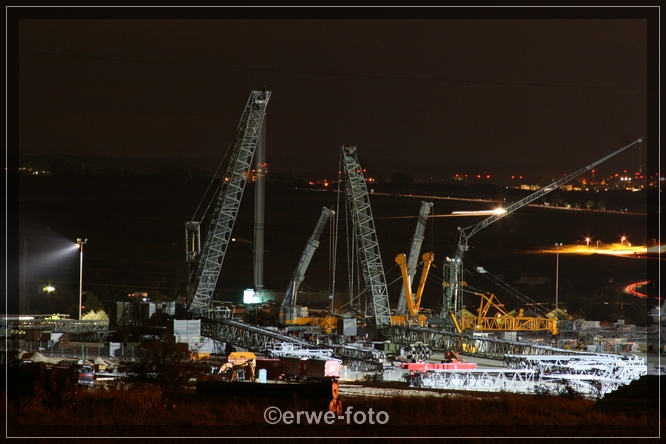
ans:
(423, 96)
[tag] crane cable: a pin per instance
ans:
(506, 287)
(210, 202)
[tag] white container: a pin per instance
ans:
(263, 374)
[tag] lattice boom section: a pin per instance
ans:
(601, 365)
(265, 341)
(228, 202)
(480, 380)
(246, 336)
(371, 261)
(467, 345)
(61, 325)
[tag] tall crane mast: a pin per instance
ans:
(453, 269)
(287, 307)
(364, 229)
(210, 258)
(413, 257)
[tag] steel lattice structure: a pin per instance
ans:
(469, 345)
(601, 365)
(262, 340)
(453, 269)
(228, 203)
(61, 325)
(589, 375)
(592, 375)
(364, 228)
(520, 381)
(414, 251)
(288, 350)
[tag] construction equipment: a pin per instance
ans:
(414, 251)
(413, 302)
(453, 269)
(210, 258)
(290, 313)
(364, 230)
(300, 317)
(503, 320)
(239, 368)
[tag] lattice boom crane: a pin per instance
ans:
(210, 258)
(364, 229)
(452, 304)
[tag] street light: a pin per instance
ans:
(557, 277)
(622, 239)
(81, 242)
(587, 240)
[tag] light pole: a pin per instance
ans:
(587, 240)
(81, 242)
(557, 277)
(622, 239)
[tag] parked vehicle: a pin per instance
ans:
(85, 375)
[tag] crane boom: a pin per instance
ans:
(453, 268)
(364, 228)
(414, 301)
(289, 299)
(534, 196)
(417, 241)
(200, 292)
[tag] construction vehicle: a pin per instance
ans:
(453, 269)
(503, 320)
(292, 314)
(209, 259)
(413, 302)
(414, 251)
(240, 366)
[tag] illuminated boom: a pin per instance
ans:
(454, 267)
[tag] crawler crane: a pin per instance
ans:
(364, 230)
(289, 311)
(413, 301)
(453, 269)
(414, 251)
(210, 258)
(502, 320)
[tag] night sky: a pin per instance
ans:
(531, 95)
(425, 91)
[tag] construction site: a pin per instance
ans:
(277, 343)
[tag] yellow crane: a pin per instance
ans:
(413, 300)
(503, 320)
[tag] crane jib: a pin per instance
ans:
(453, 270)
(532, 197)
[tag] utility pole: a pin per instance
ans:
(259, 205)
(24, 294)
(557, 277)
(81, 243)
